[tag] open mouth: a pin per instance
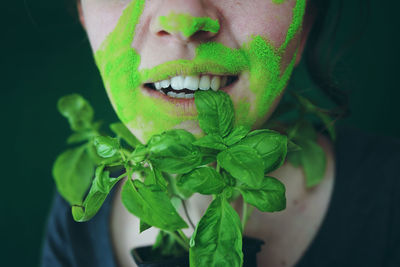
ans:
(186, 86)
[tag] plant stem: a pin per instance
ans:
(187, 214)
(180, 241)
(246, 213)
(184, 237)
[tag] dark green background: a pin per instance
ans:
(46, 56)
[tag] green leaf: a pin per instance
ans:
(269, 197)
(236, 135)
(217, 240)
(121, 131)
(243, 163)
(167, 246)
(216, 113)
(139, 154)
(329, 124)
(173, 152)
(293, 147)
(212, 141)
(152, 205)
(155, 176)
(204, 180)
(106, 146)
(101, 187)
(143, 226)
(80, 137)
(270, 145)
(73, 172)
(313, 160)
(77, 110)
(208, 155)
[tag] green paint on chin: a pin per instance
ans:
(187, 25)
(119, 62)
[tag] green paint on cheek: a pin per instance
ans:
(119, 62)
(278, 1)
(187, 24)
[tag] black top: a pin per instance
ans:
(361, 227)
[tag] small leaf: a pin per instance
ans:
(77, 110)
(106, 146)
(243, 163)
(212, 141)
(121, 131)
(236, 135)
(204, 180)
(293, 147)
(270, 145)
(216, 113)
(269, 197)
(73, 172)
(143, 226)
(217, 240)
(152, 205)
(173, 152)
(313, 160)
(101, 187)
(329, 124)
(167, 246)
(139, 154)
(155, 176)
(80, 137)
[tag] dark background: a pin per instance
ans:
(46, 56)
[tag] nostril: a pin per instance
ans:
(162, 33)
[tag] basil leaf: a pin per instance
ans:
(204, 180)
(236, 135)
(243, 163)
(167, 246)
(80, 137)
(73, 172)
(329, 124)
(101, 187)
(270, 145)
(77, 110)
(139, 154)
(155, 176)
(173, 152)
(212, 141)
(269, 197)
(313, 160)
(143, 226)
(124, 133)
(217, 240)
(208, 155)
(152, 205)
(106, 146)
(216, 113)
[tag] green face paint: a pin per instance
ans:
(187, 24)
(257, 59)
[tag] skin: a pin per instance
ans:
(139, 41)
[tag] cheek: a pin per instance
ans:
(101, 18)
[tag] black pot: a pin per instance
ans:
(143, 255)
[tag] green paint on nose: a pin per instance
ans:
(188, 25)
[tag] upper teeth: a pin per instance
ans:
(193, 82)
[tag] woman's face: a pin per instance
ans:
(154, 54)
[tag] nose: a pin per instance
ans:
(184, 21)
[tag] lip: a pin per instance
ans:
(186, 105)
